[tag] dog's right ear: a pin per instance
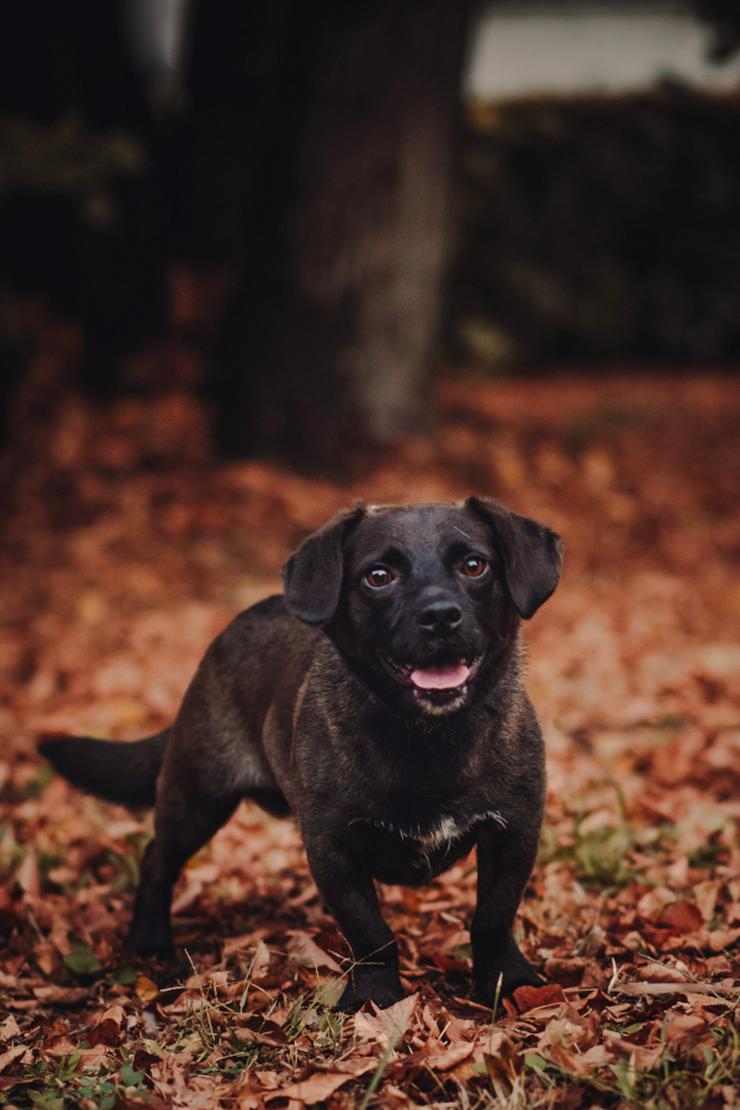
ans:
(532, 554)
(312, 577)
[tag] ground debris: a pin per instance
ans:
(126, 548)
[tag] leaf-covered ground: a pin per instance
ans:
(126, 548)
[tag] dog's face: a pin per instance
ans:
(422, 599)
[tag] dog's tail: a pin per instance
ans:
(117, 771)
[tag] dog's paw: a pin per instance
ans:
(360, 990)
(150, 941)
(503, 976)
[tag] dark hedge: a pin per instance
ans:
(599, 229)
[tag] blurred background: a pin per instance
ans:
(261, 261)
(300, 215)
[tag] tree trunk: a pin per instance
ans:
(327, 341)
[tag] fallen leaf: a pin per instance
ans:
(685, 1029)
(528, 998)
(12, 1054)
(386, 1026)
(146, 989)
(317, 1088)
(580, 1063)
(9, 1028)
(645, 1057)
(684, 917)
(253, 1027)
(260, 963)
(636, 990)
(721, 939)
(53, 995)
(503, 1067)
(28, 873)
(450, 1057)
(107, 1030)
(8, 1082)
(305, 952)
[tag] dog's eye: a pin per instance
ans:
(473, 566)
(379, 576)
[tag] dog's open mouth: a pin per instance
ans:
(437, 682)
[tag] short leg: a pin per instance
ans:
(505, 861)
(184, 822)
(350, 896)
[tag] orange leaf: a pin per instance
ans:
(146, 989)
(683, 917)
(527, 998)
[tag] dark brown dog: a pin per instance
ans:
(379, 701)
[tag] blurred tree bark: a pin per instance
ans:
(324, 156)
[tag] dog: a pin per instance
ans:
(380, 702)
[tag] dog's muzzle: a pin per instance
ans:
(437, 687)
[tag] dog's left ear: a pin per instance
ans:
(532, 554)
(312, 577)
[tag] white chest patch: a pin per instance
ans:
(443, 831)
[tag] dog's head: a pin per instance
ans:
(421, 598)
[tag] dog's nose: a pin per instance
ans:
(440, 617)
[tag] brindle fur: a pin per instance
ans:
(291, 708)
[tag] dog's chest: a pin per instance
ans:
(412, 852)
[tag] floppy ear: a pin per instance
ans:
(312, 577)
(532, 554)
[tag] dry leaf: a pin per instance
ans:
(254, 1027)
(684, 917)
(386, 1026)
(9, 1028)
(129, 546)
(317, 1088)
(146, 989)
(450, 1057)
(528, 998)
(11, 1055)
(306, 953)
(61, 996)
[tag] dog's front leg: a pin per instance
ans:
(505, 861)
(350, 896)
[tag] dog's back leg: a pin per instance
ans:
(212, 761)
(185, 819)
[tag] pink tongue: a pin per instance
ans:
(446, 677)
